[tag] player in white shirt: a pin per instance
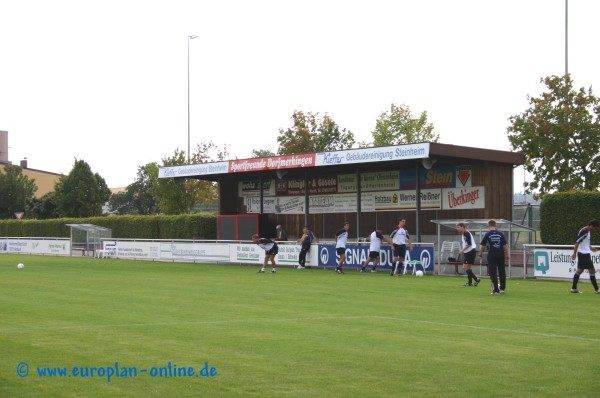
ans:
(399, 238)
(469, 252)
(271, 249)
(341, 239)
(374, 249)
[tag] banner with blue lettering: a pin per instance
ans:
(437, 177)
(356, 255)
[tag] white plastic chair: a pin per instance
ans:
(449, 249)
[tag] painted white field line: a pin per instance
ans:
(26, 329)
(177, 323)
(490, 329)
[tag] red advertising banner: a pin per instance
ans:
(272, 163)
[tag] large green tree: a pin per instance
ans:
(81, 193)
(262, 153)
(398, 126)
(136, 199)
(16, 191)
(44, 207)
(310, 133)
(121, 203)
(174, 195)
(559, 134)
(180, 195)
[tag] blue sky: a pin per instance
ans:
(106, 81)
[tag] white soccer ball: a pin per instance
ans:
(419, 273)
(20, 266)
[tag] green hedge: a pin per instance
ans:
(563, 214)
(193, 226)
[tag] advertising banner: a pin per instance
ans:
(378, 154)
(341, 203)
(556, 263)
(57, 247)
(272, 163)
(356, 255)
(193, 170)
(437, 177)
(252, 188)
(406, 200)
(463, 198)
(295, 204)
(252, 254)
(288, 254)
(246, 253)
(208, 252)
(463, 176)
(347, 183)
(370, 182)
(431, 199)
(171, 250)
(138, 249)
(316, 186)
(380, 181)
(15, 246)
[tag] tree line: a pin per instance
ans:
(558, 133)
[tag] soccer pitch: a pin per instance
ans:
(73, 327)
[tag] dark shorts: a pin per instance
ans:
(495, 259)
(469, 257)
(400, 250)
(341, 251)
(584, 261)
(274, 250)
(373, 255)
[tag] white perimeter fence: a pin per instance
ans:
(547, 261)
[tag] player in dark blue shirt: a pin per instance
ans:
(582, 252)
(306, 240)
(497, 252)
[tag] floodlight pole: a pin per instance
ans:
(190, 37)
(566, 38)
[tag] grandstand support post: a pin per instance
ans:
(306, 196)
(418, 204)
(358, 203)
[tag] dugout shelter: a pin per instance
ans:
(86, 239)
(517, 236)
(369, 187)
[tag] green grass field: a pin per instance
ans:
(299, 333)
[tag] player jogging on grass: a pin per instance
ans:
(341, 239)
(583, 253)
(374, 248)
